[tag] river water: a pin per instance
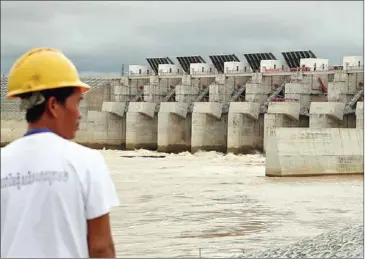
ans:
(217, 205)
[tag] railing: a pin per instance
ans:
(234, 71)
(307, 69)
(209, 72)
(175, 73)
(145, 74)
(293, 70)
(361, 67)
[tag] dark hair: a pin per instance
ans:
(36, 112)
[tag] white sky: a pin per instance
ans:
(101, 36)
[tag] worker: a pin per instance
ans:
(56, 195)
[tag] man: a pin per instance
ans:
(56, 195)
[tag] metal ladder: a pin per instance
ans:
(351, 103)
(202, 95)
(199, 98)
(238, 94)
(168, 97)
(273, 95)
(165, 99)
(137, 97)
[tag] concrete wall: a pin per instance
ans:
(141, 129)
(344, 86)
(314, 82)
(209, 127)
(186, 93)
(237, 67)
(139, 70)
(280, 114)
(360, 115)
(102, 129)
(314, 64)
(174, 127)
(257, 92)
(301, 92)
(221, 90)
(326, 115)
(107, 122)
(299, 152)
(13, 126)
(352, 61)
(245, 128)
(271, 65)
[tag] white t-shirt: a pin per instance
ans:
(50, 187)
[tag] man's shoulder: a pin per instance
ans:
(58, 144)
(81, 151)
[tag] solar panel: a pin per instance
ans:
(218, 61)
(186, 61)
(292, 58)
(154, 62)
(255, 59)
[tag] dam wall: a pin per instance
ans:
(238, 114)
(315, 151)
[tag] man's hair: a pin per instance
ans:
(35, 113)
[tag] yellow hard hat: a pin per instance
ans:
(42, 69)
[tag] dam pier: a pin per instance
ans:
(305, 116)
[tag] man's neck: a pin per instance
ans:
(34, 126)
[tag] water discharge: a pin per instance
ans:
(174, 205)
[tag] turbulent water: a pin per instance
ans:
(219, 205)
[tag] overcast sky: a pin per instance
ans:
(101, 36)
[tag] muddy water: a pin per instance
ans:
(174, 206)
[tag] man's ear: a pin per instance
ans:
(53, 106)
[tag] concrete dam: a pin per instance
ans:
(304, 115)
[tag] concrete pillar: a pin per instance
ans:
(141, 126)
(280, 115)
(209, 127)
(257, 78)
(102, 129)
(137, 85)
(326, 115)
(174, 127)
(221, 90)
(360, 115)
(339, 92)
(154, 91)
(186, 93)
(122, 91)
(348, 81)
(257, 92)
(342, 88)
(245, 128)
(301, 92)
(186, 80)
(273, 81)
(94, 99)
(315, 82)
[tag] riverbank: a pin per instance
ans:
(340, 243)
